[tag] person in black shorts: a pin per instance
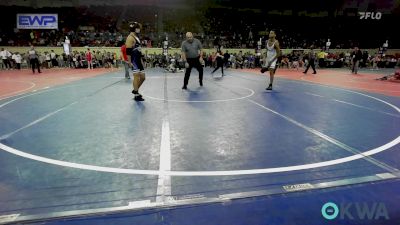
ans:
(135, 55)
(219, 58)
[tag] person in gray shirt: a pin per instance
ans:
(192, 56)
(34, 61)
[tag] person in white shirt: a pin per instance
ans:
(53, 58)
(18, 59)
(48, 59)
(328, 44)
(5, 55)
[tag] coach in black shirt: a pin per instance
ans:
(357, 56)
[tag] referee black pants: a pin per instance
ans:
(35, 63)
(312, 64)
(193, 63)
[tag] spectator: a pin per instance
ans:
(392, 77)
(89, 59)
(18, 59)
(124, 59)
(5, 56)
(53, 57)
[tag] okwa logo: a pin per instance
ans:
(370, 15)
(355, 211)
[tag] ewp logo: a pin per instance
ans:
(37, 21)
(351, 211)
(31, 20)
(371, 15)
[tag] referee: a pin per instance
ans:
(192, 55)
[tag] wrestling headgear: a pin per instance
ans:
(133, 26)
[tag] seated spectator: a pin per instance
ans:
(391, 77)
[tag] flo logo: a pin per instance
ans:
(352, 211)
(370, 15)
